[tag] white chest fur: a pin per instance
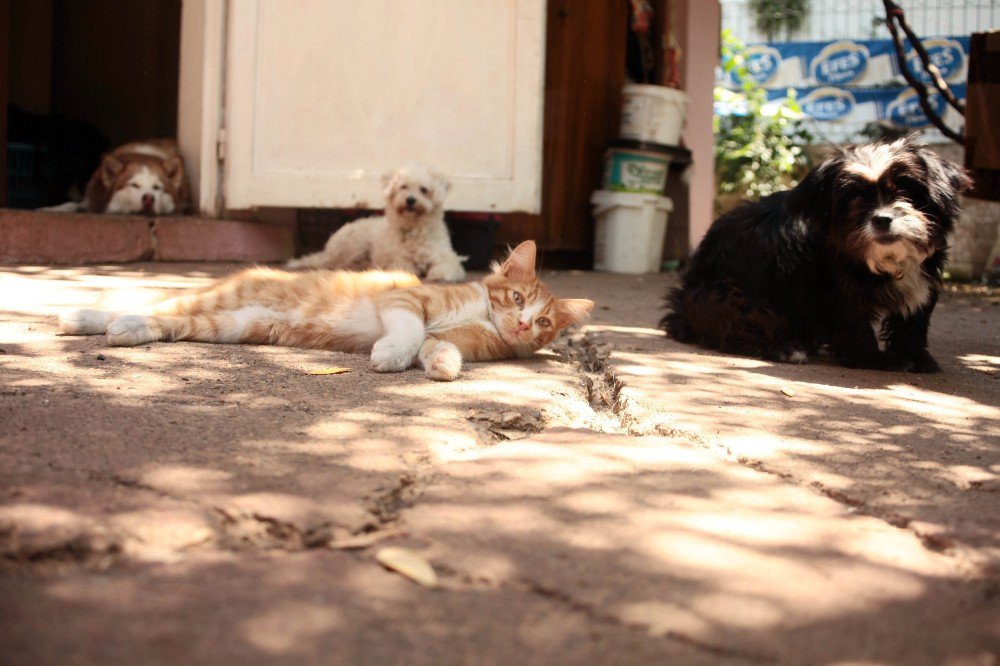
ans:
(913, 287)
(471, 312)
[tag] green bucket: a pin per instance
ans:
(639, 167)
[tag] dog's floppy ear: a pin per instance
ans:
(812, 198)
(441, 182)
(174, 168)
(110, 167)
(388, 183)
(945, 182)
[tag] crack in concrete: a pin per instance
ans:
(468, 581)
(607, 394)
(567, 601)
(244, 531)
(386, 506)
(93, 548)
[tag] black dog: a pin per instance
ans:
(851, 258)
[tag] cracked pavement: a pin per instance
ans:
(620, 498)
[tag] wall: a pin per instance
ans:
(114, 64)
(31, 55)
(699, 24)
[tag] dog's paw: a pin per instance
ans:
(129, 331)
(919, 362)
(926, 366)
(444, 362)
(786, 353)
(390, 355)
(81, 321)
(440, 273)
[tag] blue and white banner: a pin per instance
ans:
(900, 106)
(855, 81)
(848, 63)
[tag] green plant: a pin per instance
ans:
(770, 16)
(758, 145)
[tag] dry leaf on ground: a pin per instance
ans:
(329, 371)
(409, 564)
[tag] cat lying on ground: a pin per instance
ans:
(507, 314)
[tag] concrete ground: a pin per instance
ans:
(620, 499)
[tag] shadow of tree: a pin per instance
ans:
(210, 465)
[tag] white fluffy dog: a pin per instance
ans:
(410, 236)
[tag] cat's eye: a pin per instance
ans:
(519, 299)
(423, 190)
(543, 322)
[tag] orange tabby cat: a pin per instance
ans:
(507, 314)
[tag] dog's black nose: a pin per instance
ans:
(411, 200)
(881, 222)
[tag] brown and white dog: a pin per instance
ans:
(139, 178)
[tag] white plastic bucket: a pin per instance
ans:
(653, 113)
(630, 229)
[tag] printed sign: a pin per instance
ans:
(762, 63)
(853, 82)
(827, 103)
(905, 109)
(946, 54)
(839, 63)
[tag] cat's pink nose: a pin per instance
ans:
(523, 326)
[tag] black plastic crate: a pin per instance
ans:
(472, 234)
(23, 183)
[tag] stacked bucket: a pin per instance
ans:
(631, 211)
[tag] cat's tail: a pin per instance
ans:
(84, 321)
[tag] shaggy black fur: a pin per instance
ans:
(848, 259)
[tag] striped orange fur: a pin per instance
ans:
(389, 314)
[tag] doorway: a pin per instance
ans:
(83, 76)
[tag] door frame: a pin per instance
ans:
(201, 108)
(200, 100)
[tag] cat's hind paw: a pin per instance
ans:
(129, 331)
(81, 321)
(442, 362)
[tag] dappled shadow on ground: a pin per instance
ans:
(216, 473)
(920, 449)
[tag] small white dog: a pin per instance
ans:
(410, 236)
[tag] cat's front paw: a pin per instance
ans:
(444, 362)
(391, 356)
(129, 331)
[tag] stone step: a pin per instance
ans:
(74, 238)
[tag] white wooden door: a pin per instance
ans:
(323, 96)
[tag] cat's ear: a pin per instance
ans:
(520, 264)
(574, 309)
